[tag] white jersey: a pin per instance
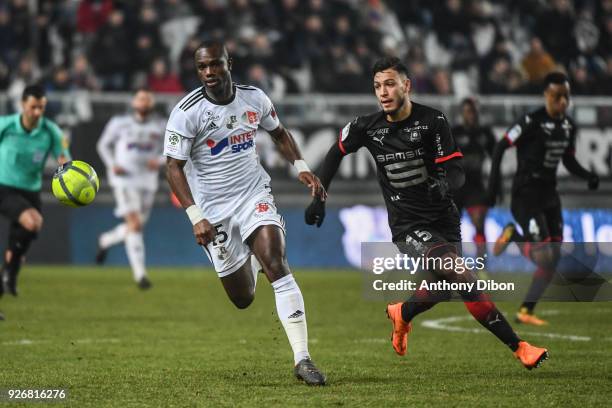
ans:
(129, 143)
(223, 168)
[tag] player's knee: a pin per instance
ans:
(31, 220)
(133, 222)
(275, 265)
(244, 301)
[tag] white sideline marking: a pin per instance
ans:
(371, 340)
(445, 324)
(28, 342)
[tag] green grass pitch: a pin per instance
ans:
(183, 344)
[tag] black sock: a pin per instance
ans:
(529, 306)
(422, 301)
(541, 279)
(494, 321)
(18, 243)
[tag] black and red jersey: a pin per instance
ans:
(406, 154)
(541, 141)
(476, 144)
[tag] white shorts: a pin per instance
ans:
(133, 200)
(229, 251)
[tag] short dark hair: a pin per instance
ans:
(469, 101)
(35, 90)
(557, 78)
(389, 63)
(212, 43)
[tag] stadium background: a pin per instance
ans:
(313, 59)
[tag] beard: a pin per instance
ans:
(144, 112)
(397, 109)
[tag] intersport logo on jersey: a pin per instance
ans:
(237, 143)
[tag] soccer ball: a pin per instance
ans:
(75, 183)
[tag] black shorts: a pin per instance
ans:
(14, 201)
(432, 238)
(538, 212)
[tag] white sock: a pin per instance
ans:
(134, 246)
(292, 314)
(113, 236)
(255, 268)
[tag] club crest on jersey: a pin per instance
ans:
(231, 122)
(415, 136)
(567, 127)
(261, 208)
(250, 117)
(237, 143)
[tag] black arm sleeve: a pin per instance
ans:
(572, 165)
(494, 177)
(455, 176)
(330, 165)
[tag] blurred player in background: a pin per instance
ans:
(542, 138)
(476, 142)
(131, 147)
(227, 195)
(26, 140)
(418, 166)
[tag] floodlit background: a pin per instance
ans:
(313, 58)
(90, 329)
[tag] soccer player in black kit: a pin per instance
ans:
(542, 138)
(476, 142)
(418, 165)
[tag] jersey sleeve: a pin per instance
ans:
(60, 142)
(517, 132)
(179, 136)
(351, 137)
(445, 147)
(269, 119)
(106, 142)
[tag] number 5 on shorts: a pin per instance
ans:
(220, 236)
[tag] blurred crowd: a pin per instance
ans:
(451, 47)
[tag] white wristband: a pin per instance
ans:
(195, 214)
(301, 166)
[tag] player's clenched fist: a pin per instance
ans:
(204, 232)
(313, 182)
(315, 213)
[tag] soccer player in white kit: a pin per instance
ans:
(131, 147)
(214, 171)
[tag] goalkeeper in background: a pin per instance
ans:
(26, 139)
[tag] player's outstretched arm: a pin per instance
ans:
(202, 229)
(494, 176)
(315, 212)
(285, 143)
(575, 168)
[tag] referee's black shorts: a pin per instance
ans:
(14, 201)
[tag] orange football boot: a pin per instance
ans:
(401, 329)
(530, 356)
(523, 316)
(504, 239)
